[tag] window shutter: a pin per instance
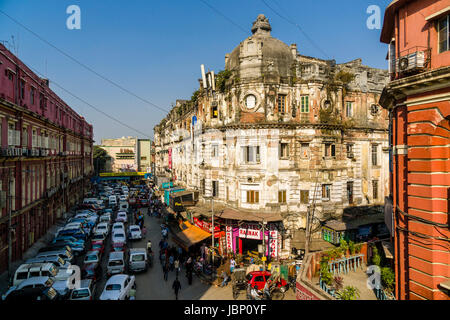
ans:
(256, 196)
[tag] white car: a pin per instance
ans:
(92, 257)
(134, 232)
(123, 198)
(118, 226)
(119, 237)
(118, 287)
(121, 217)
(102, 227)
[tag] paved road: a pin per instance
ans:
(151, 284)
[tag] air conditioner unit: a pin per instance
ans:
(411, 62)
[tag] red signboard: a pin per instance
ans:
(170, 158)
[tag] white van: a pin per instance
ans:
(30, 270)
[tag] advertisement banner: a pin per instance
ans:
(170, 158)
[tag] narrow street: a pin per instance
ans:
(151, 284)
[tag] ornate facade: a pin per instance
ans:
(278, 131)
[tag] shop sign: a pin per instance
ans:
(250, 233)
(273, 243)
(229, 236)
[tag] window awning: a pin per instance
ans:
(234, 214)
(190, 235)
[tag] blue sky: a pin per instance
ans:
(154, 48)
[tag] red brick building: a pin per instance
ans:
(45, 156)
(418, 98)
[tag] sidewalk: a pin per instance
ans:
(31, 252)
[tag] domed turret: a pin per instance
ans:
(260, 54)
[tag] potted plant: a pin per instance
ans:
(349, 293)
(358, 247)
(351, 247)
(388, 281)
(344, 247)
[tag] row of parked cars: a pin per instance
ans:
(51, 274)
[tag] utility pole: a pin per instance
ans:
(307, 232)
(264, 242)
(213, 250)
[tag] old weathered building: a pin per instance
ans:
(280, 132)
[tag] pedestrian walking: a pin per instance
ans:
(171, 262)
(176, 287)
(189, 276)
(232, 265)
(144, 230)
(163, 259)
(166, 271)
(177, 266)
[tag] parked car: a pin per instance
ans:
(118, 246)
(98, 237)
(56, 260)
(64, 254)
(121, 217)
(138, 260)
(77, 248)
(116, 262)
(98, 246)
(134, 232)
(105, 218)
(30, 270)
(91, 271)
(86, 291)
(119, 236)
(102, 227)
(32, 294)
(91, 257)
(259, 279)
(118, 226)
(34, 282)
(118, 287)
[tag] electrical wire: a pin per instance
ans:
(224, 16)
(422, 235)
(299, 28)
(84, 65)
(92, 106)
(433, 223)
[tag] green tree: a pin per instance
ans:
(100, 156)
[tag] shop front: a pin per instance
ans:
(244, 232)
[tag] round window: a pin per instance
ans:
(250, 101)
